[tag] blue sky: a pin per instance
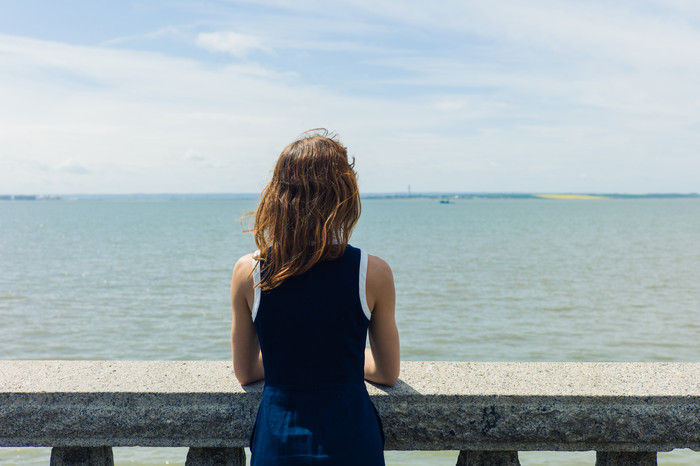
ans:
(498, 96)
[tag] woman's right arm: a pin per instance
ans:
(383, 357)
(247, 358)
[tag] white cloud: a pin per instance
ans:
(72, 166)
(123, 113)
(475, 97)
(193, 156)
(448, 105)
(157, 34)
(236, 44)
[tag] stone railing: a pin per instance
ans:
(489, 411)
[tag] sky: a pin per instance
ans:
(167, 96)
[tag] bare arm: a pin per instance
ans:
(383, 357)
(247, 359)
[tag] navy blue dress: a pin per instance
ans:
(315, 408)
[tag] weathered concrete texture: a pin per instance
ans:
(488, 458)
(417, 377)
(607, 458)
(435, 406)
(127, 419)
(547, 423)
(215, 457)
(80, 456)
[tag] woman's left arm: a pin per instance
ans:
(383, 357)
(247, 358)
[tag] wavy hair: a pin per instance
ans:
(308, 209)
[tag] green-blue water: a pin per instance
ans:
(479, 280)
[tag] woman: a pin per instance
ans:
(303, 305)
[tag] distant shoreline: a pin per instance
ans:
(428, 195)
(539, 196)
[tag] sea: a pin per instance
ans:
(477, 280)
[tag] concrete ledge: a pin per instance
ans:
(606, 407)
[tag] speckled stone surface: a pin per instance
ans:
(434, 406)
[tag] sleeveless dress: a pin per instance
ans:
(315, 409)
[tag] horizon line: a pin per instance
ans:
(362, 194)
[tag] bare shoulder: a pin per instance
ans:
(242, 280)
(244, 266)
(380, 285)
(242, 283)
(378, 270)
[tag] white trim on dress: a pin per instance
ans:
(364, 259)
(256, 280)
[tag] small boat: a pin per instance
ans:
(444, 201)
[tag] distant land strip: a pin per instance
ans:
(570, 196)
(443, 197)
(564, 196)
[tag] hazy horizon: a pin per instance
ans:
(250, 195)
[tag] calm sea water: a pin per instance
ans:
(477, 280)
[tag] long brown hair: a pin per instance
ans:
(308, 209)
